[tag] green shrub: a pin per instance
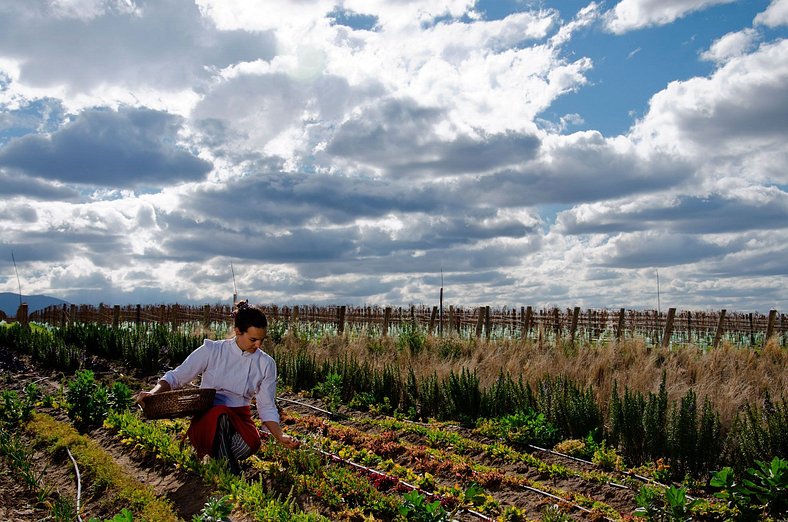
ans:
(87, 401)
(626, 424)
(330, 391)
(758, 433)
(411, 339)
(655, 422)
(526, 427)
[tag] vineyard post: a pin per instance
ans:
(770, 326)
(479, 321)
(115, 316)
(689, 327)
(433, 315)
(573, 327)
(668, 327)
(386, 320)
(718, 335)
(341, 319)
(752, 329)
(487, 323)
(206, 316)
(620, 327)
(21, 314)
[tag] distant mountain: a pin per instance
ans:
(9, 302)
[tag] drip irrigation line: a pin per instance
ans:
(79, 482)
(335, 457)
(537, 448)
(329, 413)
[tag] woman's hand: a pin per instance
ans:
(289, 442)
(161, 386)
(141, 396)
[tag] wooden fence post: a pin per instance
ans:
(115, 316)
(433, 316)
(718, 335)
(386, 320)
(752, 328)
(138, 317)
(668, 327)
(206, 316)
(341, 319)
(64, 316)
(689, 326)
(621, 322)
(21, 314)
(487, 323)
(770, 326)
(557, 323)
(529, 321)
(573, 327)
(479, 321)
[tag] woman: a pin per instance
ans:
(238, 370)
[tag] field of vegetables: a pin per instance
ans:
(410, 426)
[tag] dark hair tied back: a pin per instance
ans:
(246, 315)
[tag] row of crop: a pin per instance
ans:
(645, 427)
(145, 346)
(274, 478)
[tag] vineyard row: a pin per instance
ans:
(706, 328)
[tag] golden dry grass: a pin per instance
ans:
(729, 376)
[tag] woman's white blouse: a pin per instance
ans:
(236, 375)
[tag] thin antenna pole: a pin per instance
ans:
(440, 322)
(17, 278)
(659, 309)
(235, 288)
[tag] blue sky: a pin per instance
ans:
(346, 151)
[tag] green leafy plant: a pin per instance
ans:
(763, 488)
(416, 508)
(217, 509)
(525, 427)
(124, 516)
(330, 390)
(554, 514)
(672, 506)
(87, 400)
(607, 458)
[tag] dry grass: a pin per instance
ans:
(729, 376)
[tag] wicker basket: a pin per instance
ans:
(178, 403)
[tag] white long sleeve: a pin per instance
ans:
(236, 375)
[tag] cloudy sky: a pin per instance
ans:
(541, 153)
